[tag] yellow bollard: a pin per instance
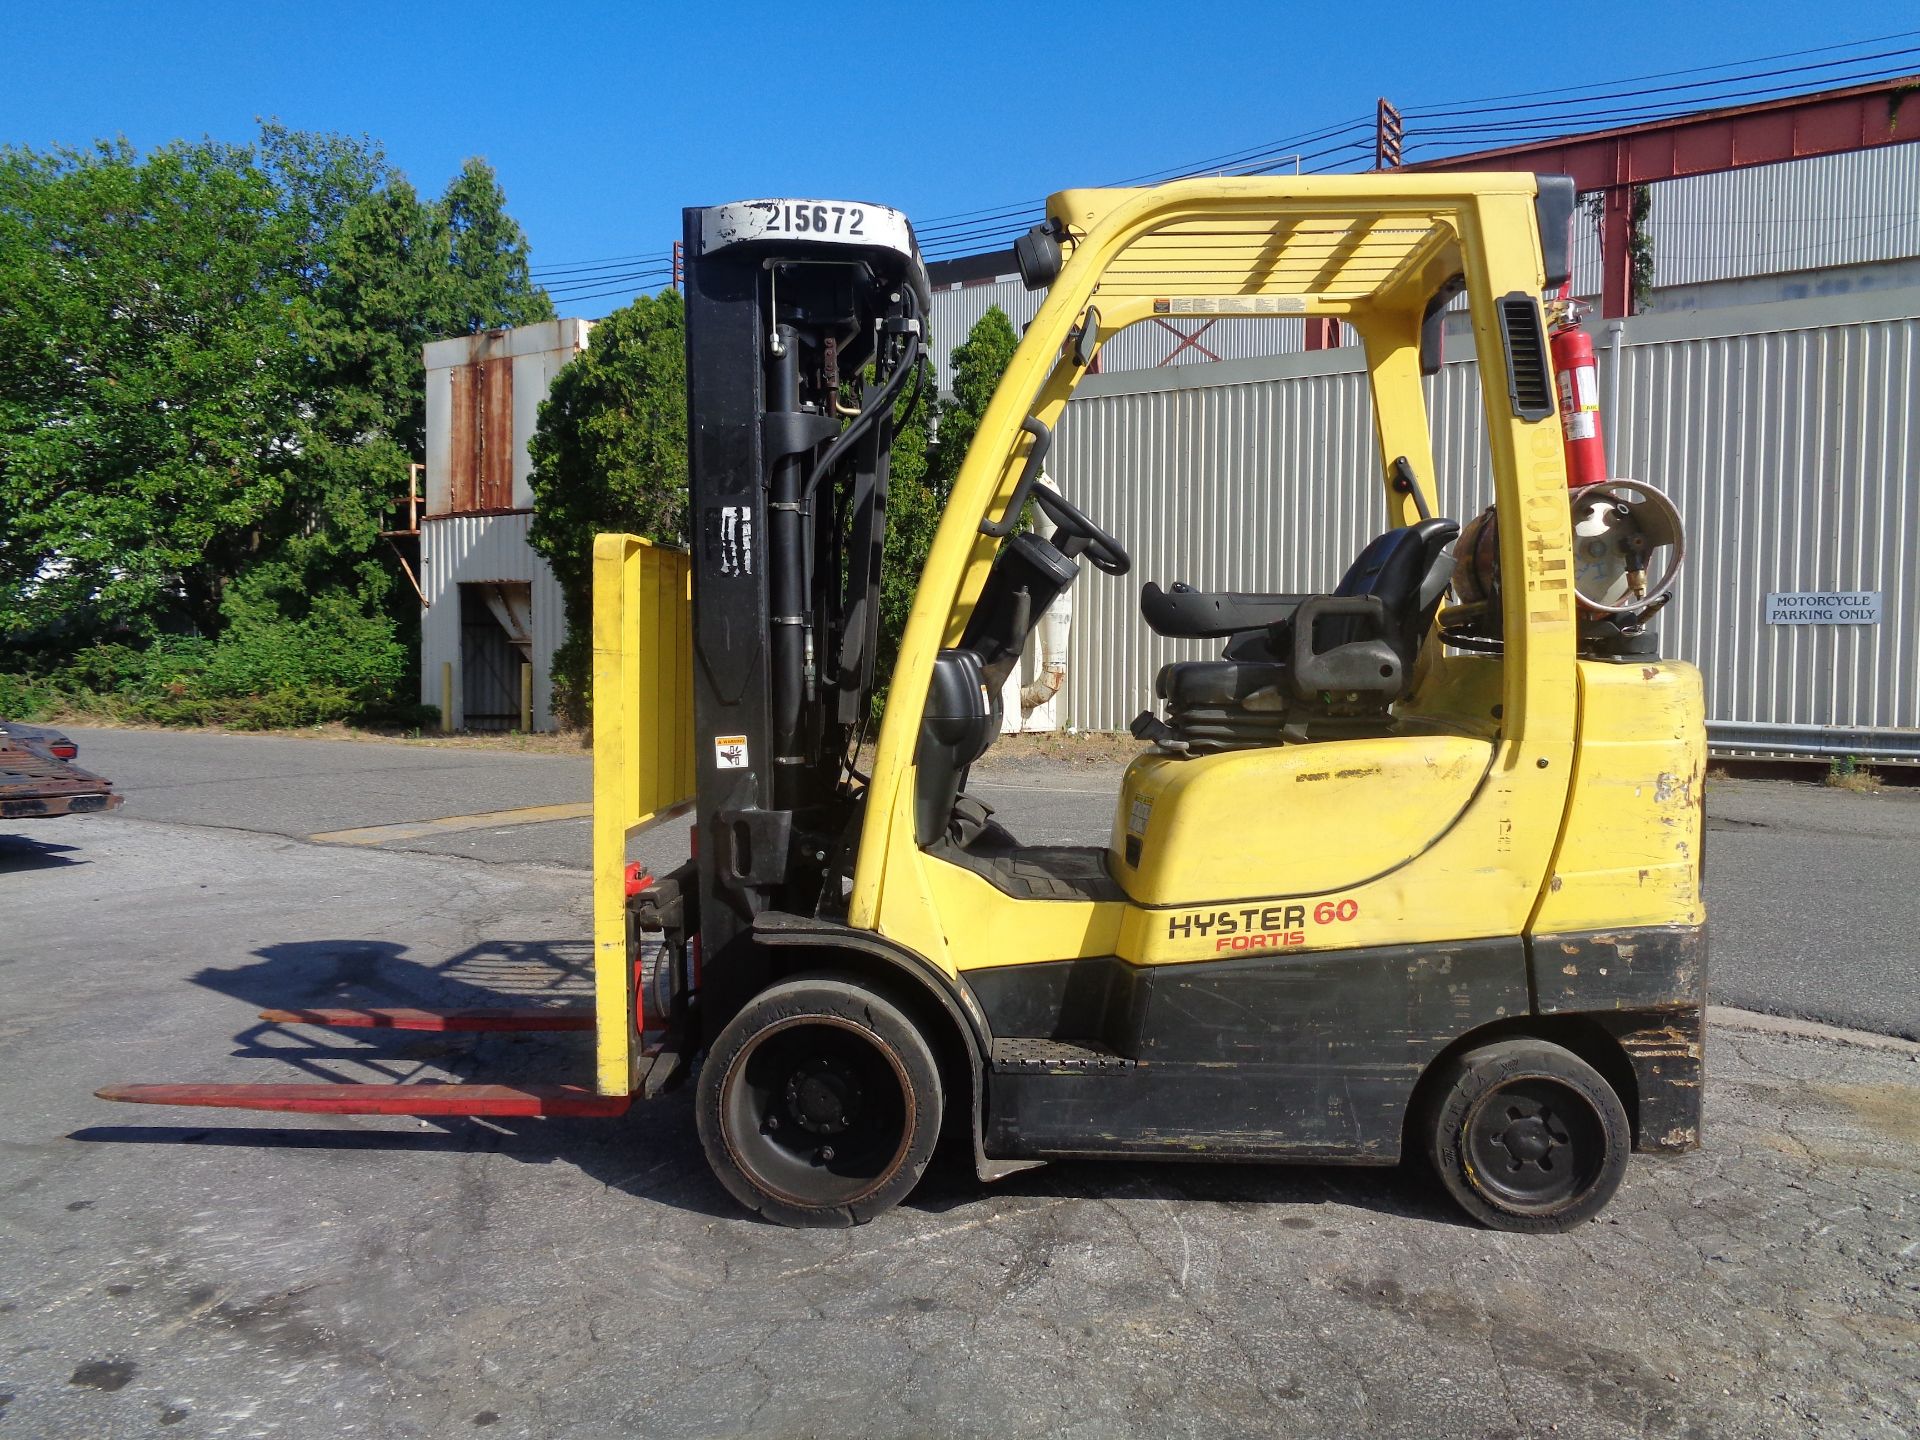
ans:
(446, 697)
(526, 698)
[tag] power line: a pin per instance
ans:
(605, 294)
(1564, 110)
(1669, 74)
(1431, 114)
(1658, 109)
(590, 270)
(608, 260)
(639, 273)
(1464, 139)
(1611, 118)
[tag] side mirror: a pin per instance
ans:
(1553, 207)
(1037, 253)
(1086, 340)
(1433, 321)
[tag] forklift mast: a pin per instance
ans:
(805, 332)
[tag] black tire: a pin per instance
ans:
(820, 1103)
(1526, 1136)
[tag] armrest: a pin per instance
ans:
(1366, 666)
(1183, 614)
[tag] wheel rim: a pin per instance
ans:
(817, 1110)
(1535, 1145)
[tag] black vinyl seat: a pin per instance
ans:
(1341, 659)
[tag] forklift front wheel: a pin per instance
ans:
(1527, 1136)
(820, 1103)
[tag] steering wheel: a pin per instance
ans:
(1075, 534)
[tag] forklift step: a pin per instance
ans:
(401, 1019)
(342, 1099)
(1038, 1055)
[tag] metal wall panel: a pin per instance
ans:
(468, 549)
(1228, 487)
(1139, 347)
(1849, 209)
(956, 312)
(1791, 446)
(1794, 456)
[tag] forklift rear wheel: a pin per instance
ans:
(820, 1103)
(1527, 1136)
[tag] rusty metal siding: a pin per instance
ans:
(483, 395)
(470, 549)
(492, 437)
(1787, 434)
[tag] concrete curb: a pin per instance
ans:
(1758, 1022)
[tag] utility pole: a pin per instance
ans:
(1389, 136)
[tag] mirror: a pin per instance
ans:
(1433, 323)
(1085, 341)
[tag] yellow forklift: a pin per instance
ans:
(1409, 868)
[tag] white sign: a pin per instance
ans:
(1824, 607)
(836, 222)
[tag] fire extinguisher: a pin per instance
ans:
(1579, 386)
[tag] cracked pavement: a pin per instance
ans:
(226, 1274)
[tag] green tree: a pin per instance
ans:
(978, 362)
(210, 387)
(148, 370)
(386, 272)
(610, 454)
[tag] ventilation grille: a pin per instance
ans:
(1529, 378)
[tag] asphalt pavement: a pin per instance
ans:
(206, 1273)
(1813, 893)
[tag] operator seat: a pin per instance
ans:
(1335, 663)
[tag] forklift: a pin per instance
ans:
(1409, 868)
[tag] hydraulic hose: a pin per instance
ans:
(882, 401)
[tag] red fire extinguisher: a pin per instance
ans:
(1579, 385)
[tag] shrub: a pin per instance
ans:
(336, 664)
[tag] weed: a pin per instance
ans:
(1845, 772)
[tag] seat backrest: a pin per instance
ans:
(1395, 568)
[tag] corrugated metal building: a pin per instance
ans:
(490, 604)
(1787, 433)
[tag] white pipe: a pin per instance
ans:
(1611, 420)
(1056, 630)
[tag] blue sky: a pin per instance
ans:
(604, 119)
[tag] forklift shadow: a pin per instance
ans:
(654, 1151)
(359, 974)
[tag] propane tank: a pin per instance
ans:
(1579, 386)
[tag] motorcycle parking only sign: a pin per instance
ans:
(1824, 607)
